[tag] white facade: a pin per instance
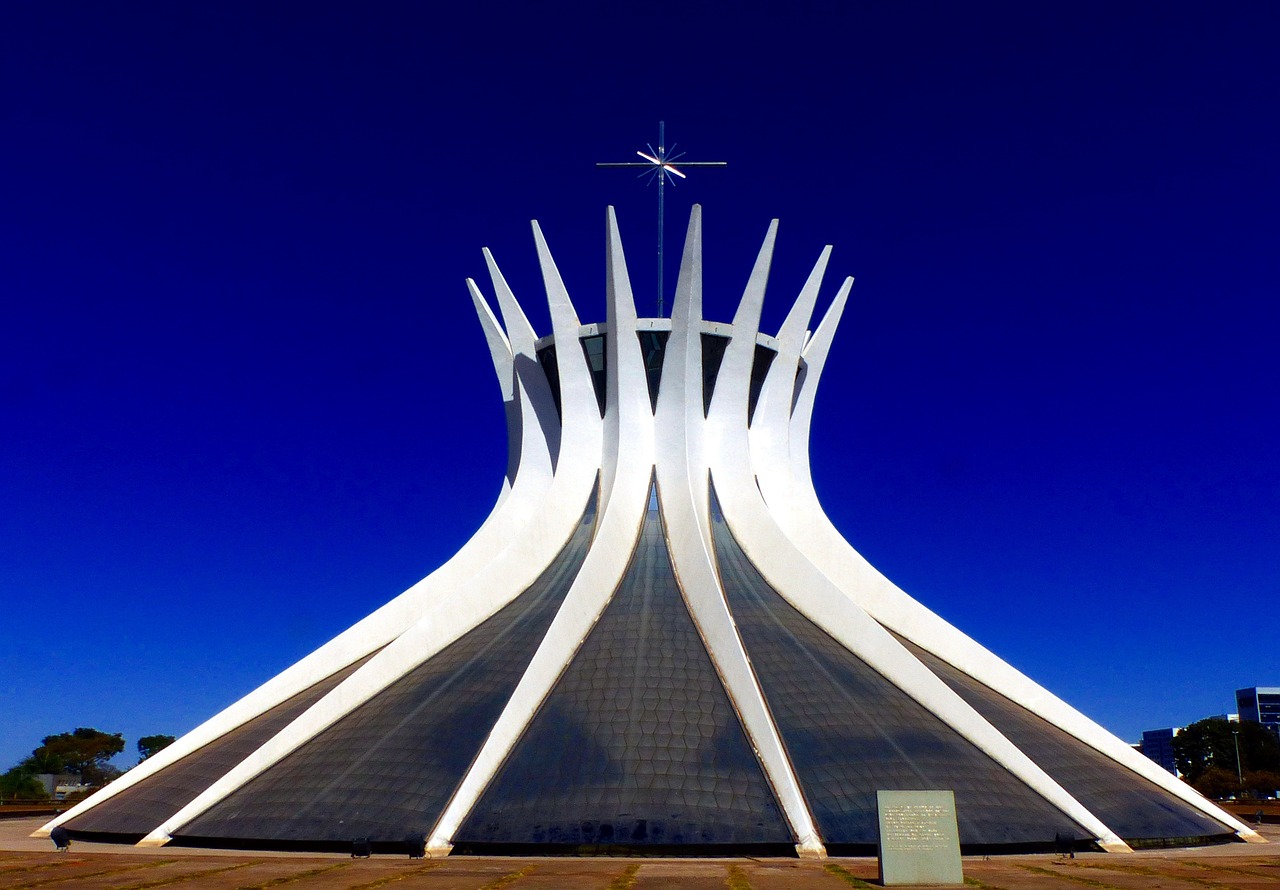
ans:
(567, 451)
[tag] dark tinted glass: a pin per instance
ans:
(387, 769)
(597, 360)
(637, 744)
(1128, 804)
(653, 349)
(142, 807)
(850, 732)
(550, 367)
(759, 370)
(713, 347)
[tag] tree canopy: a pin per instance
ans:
(20, 783)
(84, 752)
(1218, 784)
(1211, 745)
(152, 744)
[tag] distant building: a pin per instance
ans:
(60, 786)
(1157, 744)
(1260, 704)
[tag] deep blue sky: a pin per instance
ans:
(244, 399)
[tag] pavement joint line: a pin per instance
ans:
(1117, 866)
(841, 873)
(1079, 879)
(736, 879)
(392, 878)
(22, 868)
(189, 876)
(508, 878)
(627, 879)
(1150, 872)
(289, 879)
(62, 879)
(1228, 868)
(981, 885)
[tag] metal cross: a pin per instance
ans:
(658, 165)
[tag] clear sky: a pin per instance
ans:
(244, 399)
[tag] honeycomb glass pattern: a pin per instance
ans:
(1128, 804)
(387, 769)
(141, 807)
(637, 745)
(850, 732)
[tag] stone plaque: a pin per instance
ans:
(919, 841)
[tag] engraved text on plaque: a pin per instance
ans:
(919, 842)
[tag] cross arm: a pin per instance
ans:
(673, 163)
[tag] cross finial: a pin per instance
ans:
(659, 164)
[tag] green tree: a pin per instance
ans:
(20, 783)
(1216, 784)
(153, 744)
(44, 761)
(84, 752)
(1212, 744)
(1262, 782)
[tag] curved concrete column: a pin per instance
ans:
(684, 499)
(562, 448)
(784, 476)
(545, 508)
(626, 473)
(777, 555)
(388, 621)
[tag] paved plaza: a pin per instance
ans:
(27, 862)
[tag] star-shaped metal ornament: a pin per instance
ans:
(659, 164)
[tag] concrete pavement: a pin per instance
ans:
(28, 863)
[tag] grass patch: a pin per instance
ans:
(21, 868)
(626, 880)
(1152, 873)
(289, 879)
(981, 885)
(92, 874)
(1079, 879)
(392, 878)
(1230, 870)
(189, 876)
(1112, 866)
(841, 873)
(508, 878)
